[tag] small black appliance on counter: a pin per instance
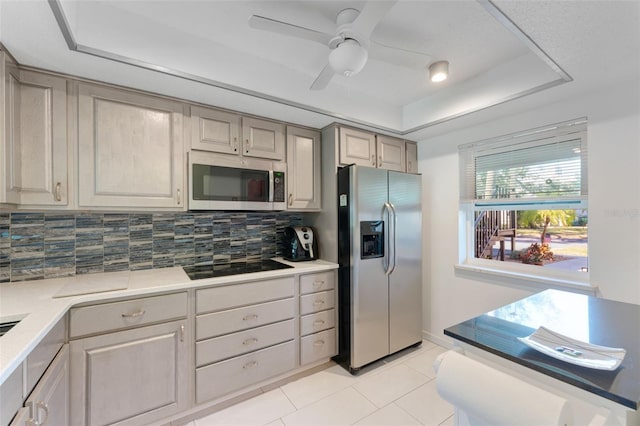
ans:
(300, 244)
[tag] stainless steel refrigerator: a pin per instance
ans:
(380, 257)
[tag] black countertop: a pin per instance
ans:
(585, 318)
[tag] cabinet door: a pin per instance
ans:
(303, 169)
(10, 161)
(412, 157)
(49, 401)
(357, 147)
(263, 139)
(36, 138)
(215, 131)
(391, 153)
(131, 377)
(130, 149)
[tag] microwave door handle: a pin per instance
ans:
(271, 186)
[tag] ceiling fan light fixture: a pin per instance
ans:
(348, 58)
(439, 71)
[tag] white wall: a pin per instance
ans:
(614, 205)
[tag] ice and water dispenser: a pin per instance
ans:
(372, 235)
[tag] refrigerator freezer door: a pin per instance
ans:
(369, 284)
(405, 283)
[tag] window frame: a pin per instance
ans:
(512, 273)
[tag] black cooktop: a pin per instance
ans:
(210, 271)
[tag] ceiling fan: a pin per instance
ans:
(349, 44)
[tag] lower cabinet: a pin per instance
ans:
(130, 377)
(48, 404)
(221, 378)
(243, 336)
(318, 339)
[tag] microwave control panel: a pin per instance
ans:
(278, 187)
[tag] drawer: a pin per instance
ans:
(319, 321)
(219, 348)
(231, 296)
(316, 302)
(218, 379)
(211, 325)
(318, 346)
(40, 358)
(129, 313)
(317, 282)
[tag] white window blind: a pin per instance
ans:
(538, 168)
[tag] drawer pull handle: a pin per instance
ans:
(317, 284)
(58, 195)
(318, 303)
(44, 407)
(318, 323)
(318, 343)
(140, 313)
(250, 365)
(250, 341)
(250, 317)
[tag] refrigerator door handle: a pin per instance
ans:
(386, 209)
(393, 222)
(391, 237)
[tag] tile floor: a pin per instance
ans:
(395, 392)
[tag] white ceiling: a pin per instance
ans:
(208, 53)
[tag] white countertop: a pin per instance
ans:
(39, 306)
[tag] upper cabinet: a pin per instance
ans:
(130, 150)
(263, 139)
(303, 169)
(228, 133)
(368, 149)
(391, 153)
(216, 131)
(357, 147)
(34, 140)
(412, 157)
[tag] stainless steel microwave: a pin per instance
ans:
(228, 182)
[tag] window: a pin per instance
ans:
(523, 200)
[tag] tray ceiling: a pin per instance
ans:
(206, 51)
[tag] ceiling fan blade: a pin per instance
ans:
(323, 78)
(370, 15)
(275, 26)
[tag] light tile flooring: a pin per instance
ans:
(397, 391)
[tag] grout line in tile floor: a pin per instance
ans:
(397, 391)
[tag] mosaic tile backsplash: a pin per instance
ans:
(49, 245)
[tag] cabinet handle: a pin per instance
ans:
(246, 146)
(373, 159)
(318, 303)
(250, 341)
(250, 317)
(58, 194)
(179, 198)
(140, 313)
(290, 199)
(45, 408)
(235, 144)
(318, 323)
(182, 333)
(318, 284)
(380, 161)
(318, 343)
(250, 365)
